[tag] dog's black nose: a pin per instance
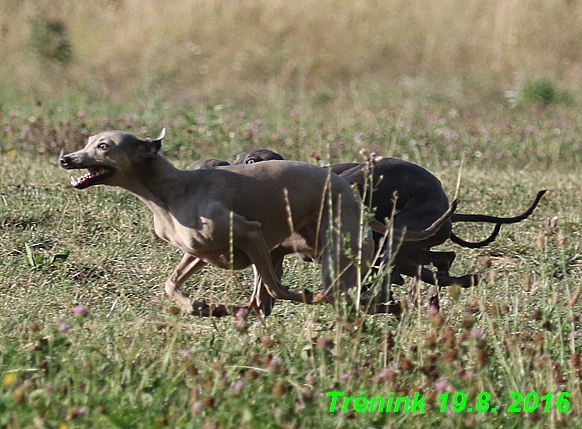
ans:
(65, 161)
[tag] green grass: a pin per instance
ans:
(133, 362)
(489, 88)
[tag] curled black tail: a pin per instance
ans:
(498, 221)
(459, 217)
(477, 244)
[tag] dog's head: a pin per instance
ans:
(256, 155)
(109, 156)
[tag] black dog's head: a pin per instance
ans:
(257, 155)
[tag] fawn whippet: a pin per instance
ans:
(235, 216)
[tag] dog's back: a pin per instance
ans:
(419, 195)
(268, 192)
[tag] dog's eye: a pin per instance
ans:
(103, 146)
(250, 161)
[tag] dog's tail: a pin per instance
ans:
(498, 221)
(476, 244)
(404, 235)
(459, 217)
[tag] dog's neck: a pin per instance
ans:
(156, 182)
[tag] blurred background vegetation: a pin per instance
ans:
(246, 49)
(344, 63)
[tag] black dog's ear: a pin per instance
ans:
(153, 146)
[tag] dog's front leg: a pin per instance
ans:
(187, 266)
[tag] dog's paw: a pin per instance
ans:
(433, 298)
(468, 280)
(390, 307)
(200, 309)
(319, 298)
(397, 279)
(308, 296)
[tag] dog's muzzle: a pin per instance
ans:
(65, 161)
(96, 174)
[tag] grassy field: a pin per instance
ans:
(485, 91)
(131, 361)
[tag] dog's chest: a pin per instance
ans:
(200, 235)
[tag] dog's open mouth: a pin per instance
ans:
(95, 176)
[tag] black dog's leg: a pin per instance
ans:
(440, 278)
(441, 260)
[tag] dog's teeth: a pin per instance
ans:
(92, 173)
(96, 171)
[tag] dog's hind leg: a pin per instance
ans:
(261, 299)
(341, 254)
(441, 260)
(249, 238)
(440, 278)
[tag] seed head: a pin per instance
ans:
(430, 342)
(237, 386)
(33, 326)
(267, 341)
(450, 356)
(278, 390)
(477, 334)
(406, 364)
(209, 402)
(448, 337)
(437, 320)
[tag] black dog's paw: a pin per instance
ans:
(397, 279)
(469, 280)
(200, 308)
(307, 296)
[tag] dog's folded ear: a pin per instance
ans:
(162, 135)
(153, 146)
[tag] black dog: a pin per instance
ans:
(413, 198)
